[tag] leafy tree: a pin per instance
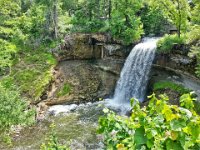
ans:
(154, 22)
(116, 17)
(196, 12)
(177, 11)
(125, 24)
(88, 17)
(70, 6)
(51, 8)
(9, 10)
(56, 16)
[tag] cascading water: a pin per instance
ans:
(134, 75)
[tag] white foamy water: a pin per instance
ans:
(57, 109)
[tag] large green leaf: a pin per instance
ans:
(140, 137)
(173, 145)
(177, 125)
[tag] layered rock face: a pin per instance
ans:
(176, 62)
(90, 46)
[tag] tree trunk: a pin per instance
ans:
(126, 16)
(110, 9)
(179, 31)
(55, 19)
(180, 20)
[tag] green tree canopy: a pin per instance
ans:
(177, 11)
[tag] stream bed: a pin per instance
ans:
(75, 125)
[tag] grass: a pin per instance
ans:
(170, 85)
(65, 90)
(31, 73)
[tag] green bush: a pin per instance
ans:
(159, 126)
(7, 53)
(167, 43)
(14, 110)
(170, 85)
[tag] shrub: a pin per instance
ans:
(158, 126)
(7, 53)
(170, 85)
(14, 110)
(167, 43)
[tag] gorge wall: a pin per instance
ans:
(90, 46)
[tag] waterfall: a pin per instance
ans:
(134, 75)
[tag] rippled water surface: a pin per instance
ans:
(75, 125)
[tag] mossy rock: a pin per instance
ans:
(170, 85)
(64, 90)
(171, 89)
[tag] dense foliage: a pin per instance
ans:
(177, 11)
(28, 25)
(194, 41)
(157, 126)
(195, 12)
(155, 23)
(13, 110)
(118, 17)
